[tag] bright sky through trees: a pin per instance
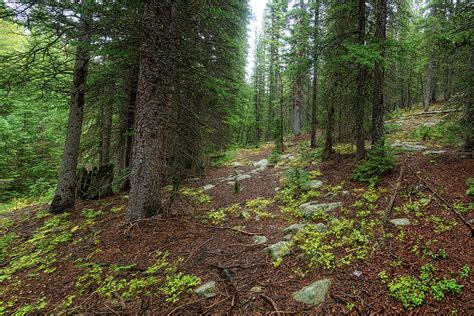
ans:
(256, 22)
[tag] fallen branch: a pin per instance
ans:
(230, 228)
(388, 209)
(442, 200)
(272, 302)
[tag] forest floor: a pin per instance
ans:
(91, 261)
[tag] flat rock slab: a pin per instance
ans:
(400, 221)
(313, 294)
(311, 208)
(295, 228)
(208, 187)
(409, 146)
(312, 184)
(434, 152)
(237, 164)
(259, 239)
(207, 290)
(241, 177)
(261, 164)
(279, 250)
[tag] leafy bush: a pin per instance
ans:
(296, 177)
(380, 161)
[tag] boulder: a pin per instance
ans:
(293, 229)
(312, 184)
(409, 146)
(259, 239)
(261, 164)
(208, 187)
(311, 208)
(433, 152)
(400, 221)
(279, 250)
(313, 294)
(207, 290)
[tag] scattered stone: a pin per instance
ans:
(287, 237)
(207, 290)
(293, 229)
(312, 184)
(313, 294)
(256, 289)
(262, 163)
(277, 189)
(241, 177)
(311, 208)
(239, 171)
(400, 221)
(357, 273)
(259, 239)
(286, 156)
(194, 179)
(231, 183)
(409, 146)
(279, 250)
(433, 152)
(257, 170)
(208, 187)
(237, 164)
(345, 193)
(471, 221)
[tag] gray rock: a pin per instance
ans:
(409, 146)
(345, 193)
(357, 273)
(433, 152)
(208, 187)
(277, 189)
(311, 208)
(207, 290)
(293, 229)
(256, 289)
(241, 177)
(313, 294)
(257, 170)
(259, 239)
(287, 237)
(279, 250)
(471, 221)
(262, 163)
(400, 221)
(239, 171)
(312, 184)
(237, 164)
(286, 156)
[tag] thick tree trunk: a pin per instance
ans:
(65, 195)
(360, 94)
(469, 107)
(106, 130)
(378, 97)
(297, 106)
(153, 107)
(314, 84)
(126, 135)
(429, 76)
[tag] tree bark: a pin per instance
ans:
(378, 97)
(314, 85)
(153, 109)
(127, 119)
(65, 195)
(360, 97)
(469, 107)
(106, 130)
(429, 76)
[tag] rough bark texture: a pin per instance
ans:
(429, 76)
(314, 84)
(66, 188)
(106, 130)
(359, 107)
(96, 183)
(152, 107)
(469, 107)
(378, 101)
(127, 119)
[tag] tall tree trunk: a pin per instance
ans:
(298, 100)
(106, 130)
(65, 195)
(314, 85)
(469, 106)
(409, 97)
(153, 107)
(126, 123)
(429, 76)
(378, 97)
(447, 80)
(360, 97)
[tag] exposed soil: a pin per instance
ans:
(232, 259)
